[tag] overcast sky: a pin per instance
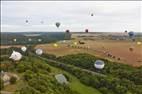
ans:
(109, 16)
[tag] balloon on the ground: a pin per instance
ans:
(29, 39)
(39, 51)
(99, 64)
(23, 49)
(75, 43)
(57, 24)
(15, 40)
(16, 56)
(39, 40)
(55, 45)
(139, 43)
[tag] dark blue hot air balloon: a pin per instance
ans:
(131, 34)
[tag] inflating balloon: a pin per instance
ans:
(39, 40)
(16, 56)
(15, 40)
(75, 43)
(99, 64)
(57, 24)
(30, 39)
(139, 43)
(39, 51)
(23, 49)
(55, 45)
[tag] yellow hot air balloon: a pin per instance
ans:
(75, 43)
(139, 43)
(55, 45)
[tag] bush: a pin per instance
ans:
(13, 80)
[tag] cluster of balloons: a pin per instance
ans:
(16, 56)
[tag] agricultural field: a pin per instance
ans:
(97, 47)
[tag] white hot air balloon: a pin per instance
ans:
(99, 64)
(23, 49)
(39, 51)
(39, 40)
(16, 56)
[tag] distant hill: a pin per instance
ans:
(8, 38)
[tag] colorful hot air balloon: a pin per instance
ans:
(57, 24)
(99, 64)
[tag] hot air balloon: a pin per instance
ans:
(139, 43)
(125, 31)
(14, 40)
(67, 31)
(42, 22)
(86, 30)
(57, 24)
(39, 40)
(23, 49)
(131, 34)
(55, 45)
(29, 39)
(99, 64)
(39, 51)
(26, 21)
(16, 56)
(75, 43)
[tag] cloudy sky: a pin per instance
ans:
(109, 16)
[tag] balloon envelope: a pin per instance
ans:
(131, 34)
(39, 51)
(16, 56)
(99, 64)
(23, 48)
(57, 24)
